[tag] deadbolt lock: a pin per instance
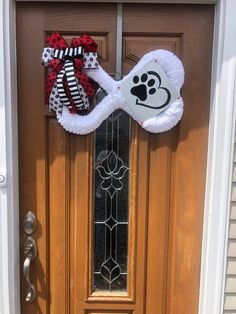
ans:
(29, 222)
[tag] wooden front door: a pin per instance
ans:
(133, 246)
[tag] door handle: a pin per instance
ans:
(30, 252)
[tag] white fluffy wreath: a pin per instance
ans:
(115, 100)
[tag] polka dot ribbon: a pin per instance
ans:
(67, 64)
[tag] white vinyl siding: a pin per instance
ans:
(230, 285)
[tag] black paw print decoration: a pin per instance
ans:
(148, 84)
(149, 91)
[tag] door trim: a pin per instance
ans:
(219, 165)
(221, 138)
(135, 1)
(9, 204)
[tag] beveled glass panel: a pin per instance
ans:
(111, 194)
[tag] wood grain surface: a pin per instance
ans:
(167, 171)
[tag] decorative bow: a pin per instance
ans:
(67, 81)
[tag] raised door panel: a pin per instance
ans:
(134, 47)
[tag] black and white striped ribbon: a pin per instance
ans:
(68, 52)
(68, 71)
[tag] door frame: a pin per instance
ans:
(219, 168)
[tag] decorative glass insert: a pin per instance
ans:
(111, 175)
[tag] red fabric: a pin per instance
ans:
(86, 42)
(56, 41)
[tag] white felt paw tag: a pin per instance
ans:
(149, 91)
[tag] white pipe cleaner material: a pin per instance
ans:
(162, 122)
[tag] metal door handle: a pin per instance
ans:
(30, 252)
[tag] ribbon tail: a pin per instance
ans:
(83, 95)
(61, 90)
(51, 79)
(86, 83)
(54, 101)
(73, 85)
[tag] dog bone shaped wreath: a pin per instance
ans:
(150, 93)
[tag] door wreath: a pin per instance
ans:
(149, 93)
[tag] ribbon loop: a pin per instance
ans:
(78, 52)
(68, 53)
